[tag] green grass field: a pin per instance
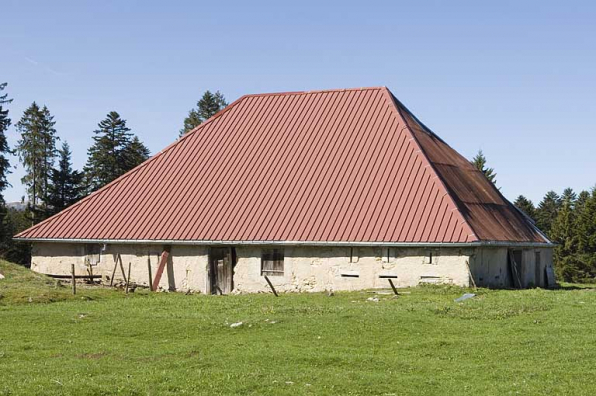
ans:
(102, 342)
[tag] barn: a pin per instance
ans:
(311, 191)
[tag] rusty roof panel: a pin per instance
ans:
(341, 166)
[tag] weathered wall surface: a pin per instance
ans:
(305, 268)
(490, 268)
(186, 268)
(321, 268)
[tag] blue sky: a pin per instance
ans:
(514, 78)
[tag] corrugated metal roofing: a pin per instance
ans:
(337, 166)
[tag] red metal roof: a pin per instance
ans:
(338, 166)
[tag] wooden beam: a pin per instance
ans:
(114, 271)
(74, 282)
(70, 276)
(271, 286)
(128, 278)
(150, 276)
(393, 287)
(162, 265)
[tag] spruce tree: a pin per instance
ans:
(115, 151)
(66, 186)
(207, 107)
(5, 151)
(586, 226)
(37, 152)
(479, 162)
(135, 153)
(526, 206)
(5, 121)
(563, 233)
(547, 211)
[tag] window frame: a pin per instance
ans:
(270, 256)
(92, 249)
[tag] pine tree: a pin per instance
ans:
(526, 206)
(66, 186)
(586, 225)
(479, 162)
(547, 211)
(569, 195)
(37, 151)
(135, 153)
(5, 151)
(115, 151)
(207, 107)
(563, 233)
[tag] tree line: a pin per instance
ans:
(52, 184)
(569, 220)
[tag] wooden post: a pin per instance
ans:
(271, 285)
(149, 270)
(128, 278)
(162, 264)
(90, 271)
(393, 287)
(74, 282)
(114, 271)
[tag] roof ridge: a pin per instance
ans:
(397, 104)
(315, 91)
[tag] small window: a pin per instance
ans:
(431, 256)
(386, 252)
(272, 262)
(92, 253)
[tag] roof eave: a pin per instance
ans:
(292, 243)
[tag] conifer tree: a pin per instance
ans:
(207, 107)
(135, 153)
(479, 162)
(37, 151)
(526, 206)
(115, 151)
(5, 122)
(547, 211)
(563, 233)
(66, 186)
(586, 227)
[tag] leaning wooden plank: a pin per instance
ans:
(271, 285)
(162, 265)
(128, 278)
(114, 271)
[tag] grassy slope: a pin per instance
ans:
(502, 342)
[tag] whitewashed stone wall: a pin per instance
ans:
(321, 268)
(305, 268)
(186, 268)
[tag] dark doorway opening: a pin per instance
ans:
(221, 269)
(515, 257)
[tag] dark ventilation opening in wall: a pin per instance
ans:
(350, 276)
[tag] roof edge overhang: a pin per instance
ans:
(291, 243)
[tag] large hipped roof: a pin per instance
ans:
(324, 166)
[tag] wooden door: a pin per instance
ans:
(221, 270)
